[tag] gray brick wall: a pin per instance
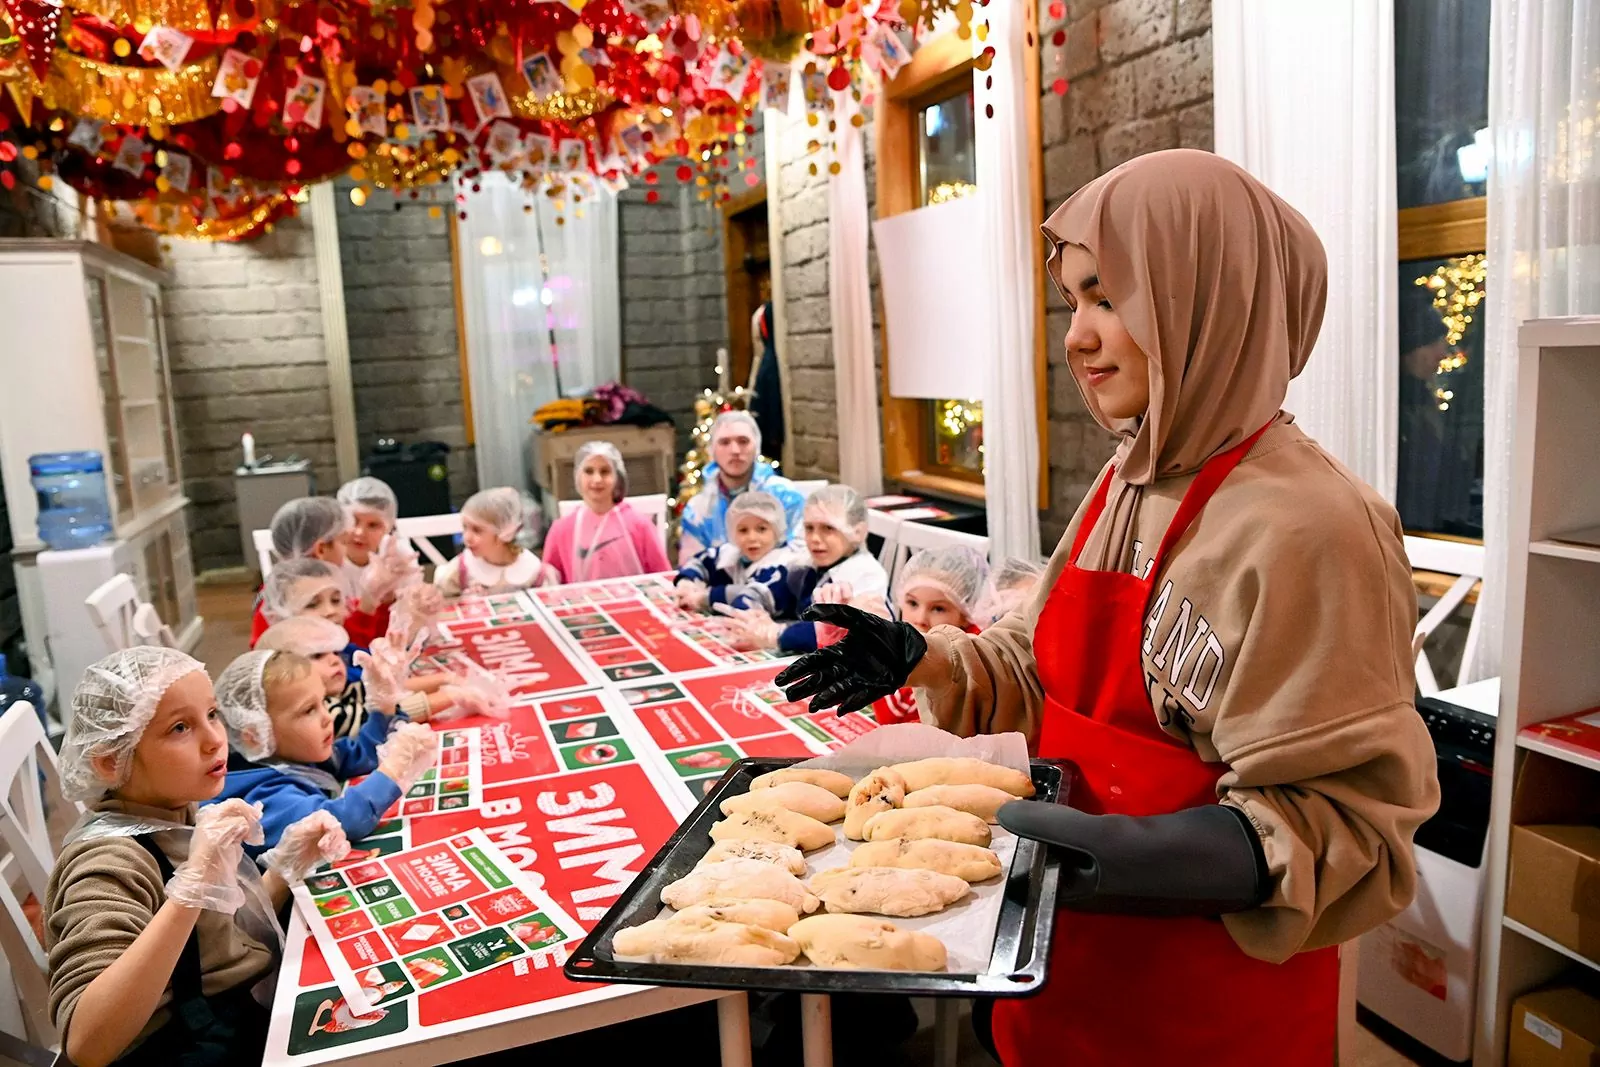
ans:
(674, 312)
(1139, 74)
(399, 292)
(244, 335)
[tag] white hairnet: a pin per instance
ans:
(607, 451)
(373, 494)
(114, 702)
(305, 635)
(512, 514)
(763, 506)
(294, 584)
(736, 418)
(958, 573)
(242, 699)
(842, 508)
(300, 524)
(1011, 583)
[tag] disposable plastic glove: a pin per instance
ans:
(751, 628)
(410, 750)
(479, 693)
(306, 845)
(209, 878)
(693, 596)
(384, 670)
(392, 565)
(872, 660)
(414, 618)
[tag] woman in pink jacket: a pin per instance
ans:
(605, 538)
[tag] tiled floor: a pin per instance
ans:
(227, 609)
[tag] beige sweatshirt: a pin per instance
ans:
(1277, 641)
(102, 894)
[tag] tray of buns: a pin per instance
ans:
(796, 879)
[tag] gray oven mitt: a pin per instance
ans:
(1202, 861)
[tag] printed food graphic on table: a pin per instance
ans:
(486, 612)
(525, 655)
(451, 901)
(454, 781)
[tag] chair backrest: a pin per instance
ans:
(149, 628)
(262, 540)
(112, 609)
(1445, 557)
(652, 506)
(883, 524)
(806, 488)
(916, 536)
(26, 762)
(418, 529)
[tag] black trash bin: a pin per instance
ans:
(419, 474)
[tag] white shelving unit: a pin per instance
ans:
(1552, 630)
(83, 365)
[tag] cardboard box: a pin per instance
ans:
(1557, 1027)
(1554, 884)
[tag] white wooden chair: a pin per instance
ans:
(883, 524)
(113, 608)
(915, 536)
(26, 860)
(419, 528)
(1445, 557)
(806, 488)
(652, 506)
(262, 540)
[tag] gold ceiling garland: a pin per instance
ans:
(558, 107)
(406, 167)
(185, 15)
(131, 96)
(179, 220)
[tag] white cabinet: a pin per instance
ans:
(83, 366)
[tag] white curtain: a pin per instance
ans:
(1305, 102)
(850, 303)
(526, 330)
(1006, 206)
(1544, 230)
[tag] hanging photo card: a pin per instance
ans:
(489, 97)
(728, 72)
(544, 77)
(573, 158)
(890, 49)
(130, 155)
(89, 135)
(631, 143)
(505, 144)
(303, 105)
(776, 79)
(390, 927)
(237, 75)
(430, 109)
(653, 13)
(370, 110)
(541, 153)
(178, 169)
(166, 46)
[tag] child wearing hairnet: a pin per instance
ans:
(936, 587)
(287, 760)
(431, 698)
(378, 563)
(317, 528)
(160, 935)
(840, 570)
(605, 537)
(748, 570)
(494, 525)
(1010, 586)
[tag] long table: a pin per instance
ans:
(625, 710)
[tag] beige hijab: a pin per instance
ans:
(1221, 284)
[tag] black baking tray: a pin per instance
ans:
(1016, 965)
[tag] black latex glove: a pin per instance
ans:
(873, 660)
(1202, 861)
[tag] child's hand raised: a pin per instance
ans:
(384, 670)
(410, 750)
(209, 878)
(314, 840)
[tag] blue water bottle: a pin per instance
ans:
(73, 509)
(14, 687)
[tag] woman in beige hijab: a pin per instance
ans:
(1227, 618)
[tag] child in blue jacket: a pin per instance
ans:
(750, 569)
(284, 756)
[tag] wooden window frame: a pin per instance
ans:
(935, 71)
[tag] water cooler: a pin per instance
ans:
(1419, 972)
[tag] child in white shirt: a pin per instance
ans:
(493, 522)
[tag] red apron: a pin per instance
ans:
(1128, 989)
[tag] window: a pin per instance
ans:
(927, 154)
(1441, 115)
